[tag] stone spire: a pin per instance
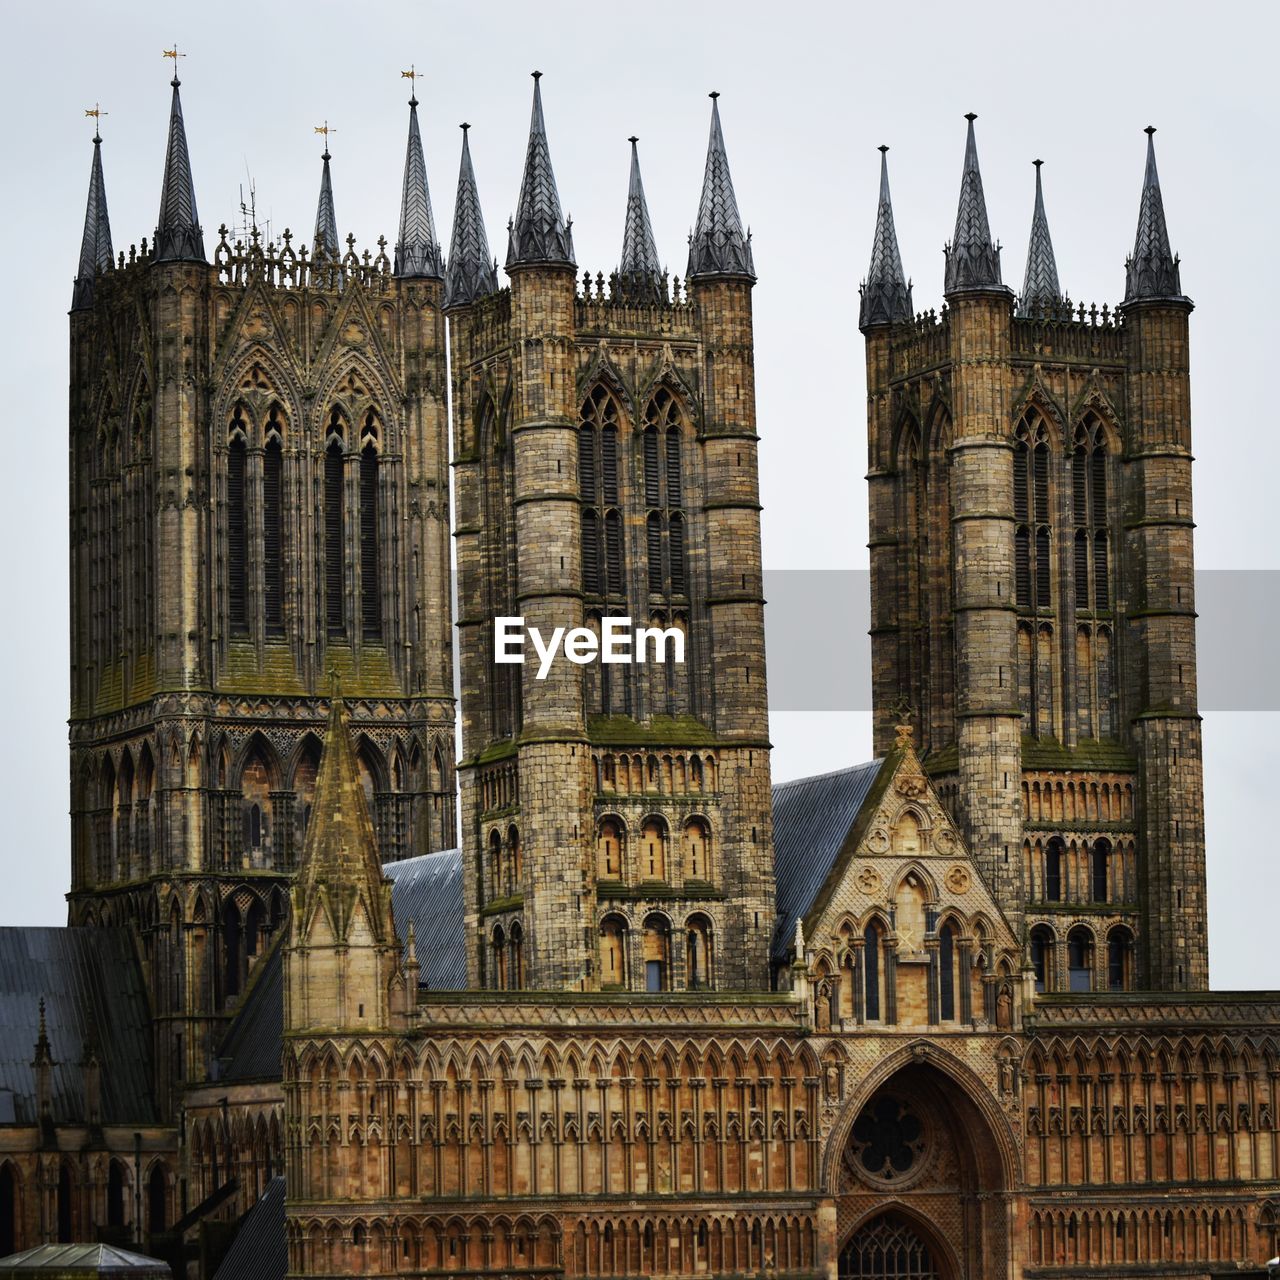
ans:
(718, 246)
(326, 234)
(1152, 271)
(95, 245)
(886, 295)
(539, 232)
(340, 863)
(472, 273)
(639, 270)
(1040, 289)
(178, 236)
(973, 258)
(42, 1064)
(417, 249)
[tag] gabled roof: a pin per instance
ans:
(92, 988)
(812, 820)
(84, 1260)
(260, 1250)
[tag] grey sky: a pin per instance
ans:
(808, 91)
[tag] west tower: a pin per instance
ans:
(616, 818)
(259, 498)
(1032, 587)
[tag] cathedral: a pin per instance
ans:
(585, 992)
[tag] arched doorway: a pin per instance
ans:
(917, 1164)
(890, 1247)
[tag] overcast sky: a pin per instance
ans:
(808, 91)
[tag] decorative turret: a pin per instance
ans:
(718, 245)
(343, 956)
(1152, 271)
(1040, 289)
(639, 270)
(178, 235)
(95, 244)
(471, 273)
(325, 239)
(886, 293)
(538, 233)
(973, 258)
(42, 1064)
(417, 249)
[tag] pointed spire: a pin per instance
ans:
(326, 234)
(340, 853)
(973, 258)
(471, 273)
(95, 245)
(1152, 271)
(718, 246)
(178, 236)
(1040, 290)
(539, 232)
(417, 250)
(886, 295)
(639, 270)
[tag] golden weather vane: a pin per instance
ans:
(326, 130)
(96, 113)
(412, 76)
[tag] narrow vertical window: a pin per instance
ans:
(335, 609)
(370, 582)
(273, 538)
(675, 494)
(1022, 567)
(586, 463)
(653, 531)
(591, 552)
(679, 586)
(609, 464)
(600, 496)
(946, 974)
(1042, 569)
(237, 550)
(1081, 569)
(871, 973)
(613, 551)
(1101, 589)
(652, 495)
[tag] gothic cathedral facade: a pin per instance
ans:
(941, 1015)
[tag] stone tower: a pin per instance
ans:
(259, 497)
(615, 818)
(1032, 589)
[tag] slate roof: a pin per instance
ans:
(811, 819)
(260, 1250)
(426, 890)
(90, 981)
(178, 236)
(83, 1260)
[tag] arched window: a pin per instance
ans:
(947, 954)
(498, 949)
(1120, 975)
(653, 853)
(255, 799)
(495, 866)
(698, 952)
(237, 535)
(334, 597)
(657, 953)
(664, 495)
(603, 569)
(273, 526)
(609, 851)
(115, 1195)
(872, 939)
(1033, 569)
(1054, 856)
(697, 850)
(1043, 944)
(1089, 515)
(515, 852)
(370, 576)
(1080, 959)
(515, 968)
(613, 952)
(1098, 860)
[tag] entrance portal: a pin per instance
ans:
(888, 1248)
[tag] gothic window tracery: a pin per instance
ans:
(370, 511)
(334, 522)
(663, 485)
(600, 494)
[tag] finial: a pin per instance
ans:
(412, 77)
(714, 94)
(537, 75)
(798, 941)
(97, 113)
(1149, 130)
(1037, 163)
(175, 55)
(634, 139)
(970, 116)
(883, 149)
(43, 1031)
(326, 130)
(902, 729)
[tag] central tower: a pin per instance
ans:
(615, 818)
